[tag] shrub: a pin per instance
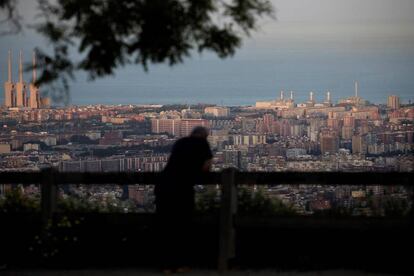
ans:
(15, 201)
(258, 204)
(254, 203)
(396, 207)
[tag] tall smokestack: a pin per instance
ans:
(281, 94)
(9, 68)
(311, 96)
(20, 67)
(34, 99)
(356, 89)
(21, 100)
(34, 67)
(291, 95)
(328, 96)
(9, 98)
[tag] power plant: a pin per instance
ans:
(16, 94)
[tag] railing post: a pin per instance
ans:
(411, 188)
(48, 196)
(228, 209)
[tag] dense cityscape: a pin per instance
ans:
(237, 137)
(279, 135)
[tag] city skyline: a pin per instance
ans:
(264, 136)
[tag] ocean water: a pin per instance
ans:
(245, 80)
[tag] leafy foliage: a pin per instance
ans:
(15, 201)
(334, 212)
(9, 15)
(208, 202)
(68, 204)
(396, 207)
(250, 203)
(59, 235)
(111, 33)
(256, 203)
(82, 139)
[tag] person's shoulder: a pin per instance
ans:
(186, 139)
(181, 141)
(190, 141)
(182, 144)
(198, 140)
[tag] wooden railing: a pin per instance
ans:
(229, 179)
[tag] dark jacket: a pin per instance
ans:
(175, 191)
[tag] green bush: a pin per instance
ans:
(334, 212)
(250, 202)
(59, 235)
(15, 201)
(256, 203)
(68, 204)
(396, 207)
(208, 202)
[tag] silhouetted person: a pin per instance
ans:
(175, 198)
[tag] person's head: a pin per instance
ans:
(199, 132)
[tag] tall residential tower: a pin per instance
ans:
(393, 102)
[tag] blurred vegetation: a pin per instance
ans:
(10, 16)
(15, 201)
(208, 202)
(111, 151)
(256, 203)
(334, 212)
(396, 207)
(59, 235)
(107, 34)
(68, 204)
(250, 203)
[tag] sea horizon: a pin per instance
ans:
(243, 81)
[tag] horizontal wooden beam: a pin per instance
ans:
(241, 178)
(20, 177)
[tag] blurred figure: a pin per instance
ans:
(175, 199)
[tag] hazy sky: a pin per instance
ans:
(296, 19)
(345, 10)
(339, 27)
(319, 10)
